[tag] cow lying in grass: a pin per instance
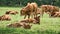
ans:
(26, 25)
(29, 10)
(36, 20)
(55, 14)
(20, 24)
(11, 12)
(5, 17)
(14, 25)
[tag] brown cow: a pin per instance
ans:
(55, 14)
(29, 10)
(5, 17)
(26, 25)
(20, 24)
(49, 9)
(11, 12)
(35, 7)
(36, 20)
(25, 12)
(44, 9)
(14, 25)
(28, 20)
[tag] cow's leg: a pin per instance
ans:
(31, 13)
(42, 14)
(31, 16)
(28, 16)
(24, 16)
(34, 15)
(49, 14)
(35, 12)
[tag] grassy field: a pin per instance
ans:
(47, 25)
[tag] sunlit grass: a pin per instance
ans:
(47, 25)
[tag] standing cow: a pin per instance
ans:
(49, 9)
(29, 10)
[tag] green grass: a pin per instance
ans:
(47, 25)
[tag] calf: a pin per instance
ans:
(57, 14)
(20, 24)
(36, 20)
(49, 9)
(11, 12)
(26, 25)
(5, 17)
(14, 25)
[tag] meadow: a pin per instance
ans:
(47, 25)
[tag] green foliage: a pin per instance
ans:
(24, 2)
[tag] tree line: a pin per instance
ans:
(24, 2)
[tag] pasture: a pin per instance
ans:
(47, 25)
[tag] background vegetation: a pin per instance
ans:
(24, 2)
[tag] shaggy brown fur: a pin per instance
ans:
(11, 12)
(20, 24)
(49, 9)
(14, 25)
(35, 7)
(5, 17)
(26, 25)
(38, 12)
(28, 20)
(29, 10)
(44, 9)
(55, 14)
(25, 12)
(36, 20)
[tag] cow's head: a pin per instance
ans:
(22, 12)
